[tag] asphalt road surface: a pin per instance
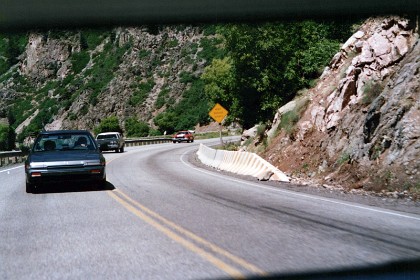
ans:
(163, 218)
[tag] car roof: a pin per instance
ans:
(106, 133)
(49, 132)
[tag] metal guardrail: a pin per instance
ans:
(7, 158)
(146, 141)
(13, 157)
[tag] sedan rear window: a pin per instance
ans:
(106, 136)
(57, 142)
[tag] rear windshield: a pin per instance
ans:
(106, 136)
(67, 141)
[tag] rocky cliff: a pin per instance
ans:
(359, 126)
(74, 79)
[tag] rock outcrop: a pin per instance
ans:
(90, 75)
(361, 128)
(48, 57)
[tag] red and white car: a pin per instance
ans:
(183, 136)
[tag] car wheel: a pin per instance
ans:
(122, 150)
(192, 141)
(174, 142)
(117, 150)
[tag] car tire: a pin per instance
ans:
(122, 149)
(174, 142)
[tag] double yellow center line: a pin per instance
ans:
(207, 250)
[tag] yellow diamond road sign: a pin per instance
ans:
(218, 113)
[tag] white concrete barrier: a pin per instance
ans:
(243, 163)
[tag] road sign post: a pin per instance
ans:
(218, 113)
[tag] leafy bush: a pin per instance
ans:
(144, 53)
(103, 71)
(272, 61)
(154, 132)
(136, 128)
(211, 49)
(4, 65)
(91, 38)
(109, 124)
(79, 61)
(166, 121)
(261, 130)
(173, 43)
(7, 138)
(209, 29)
(11, 46)
(288, 121)
(22, 109)
(162, 98)
(186, 77)
(47, 110)
(193, 108)
(141, 93)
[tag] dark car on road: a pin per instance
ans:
(111, 141)
(183, 136)
(64, 156)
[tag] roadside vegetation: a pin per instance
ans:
(250, 69)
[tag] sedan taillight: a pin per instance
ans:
(36, 174)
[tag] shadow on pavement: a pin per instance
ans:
(64, 187)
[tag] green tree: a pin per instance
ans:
(109, 124)
(259, 53)
(11, 46)
(219, 78)
(4, 129)
(79, 61)
(166, 121)
(272, 61)
(136, 128)
(193, 108)
(7, 138)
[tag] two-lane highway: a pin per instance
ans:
(163, 218)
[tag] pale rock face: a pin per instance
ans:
(379, 44)
(373, 116)
(317, 117)
(35, 42)
(250, 133)
(304, 128)
(367, 56)
(48, 58)
(359, 34)
(401, 44)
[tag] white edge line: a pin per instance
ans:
(1, 171)
(296, 193)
